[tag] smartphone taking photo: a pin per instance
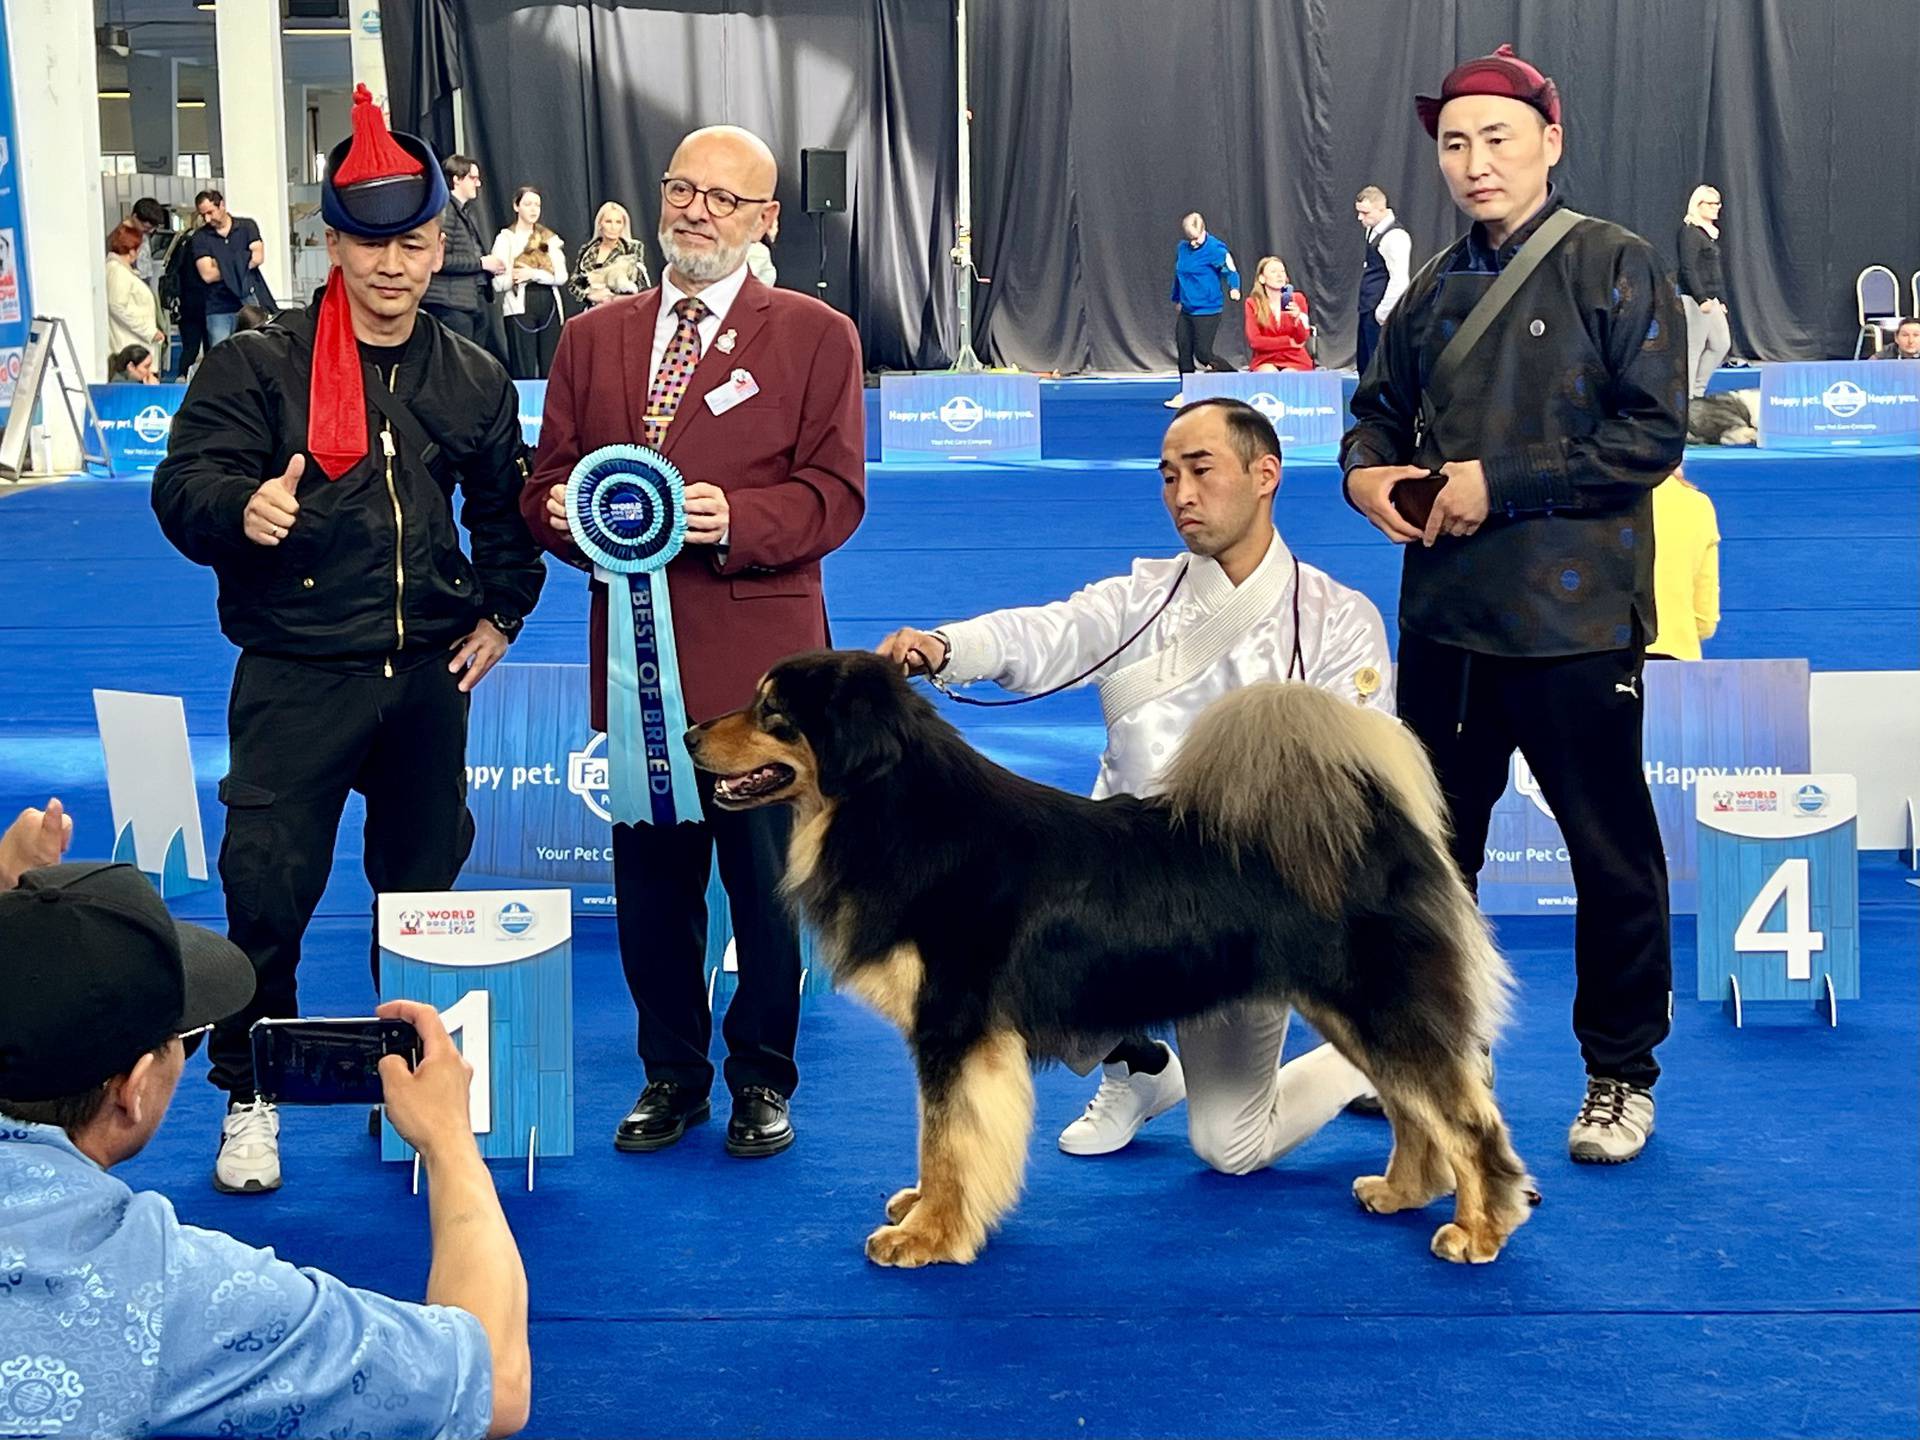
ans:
(316, 1061)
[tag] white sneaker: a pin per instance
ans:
(1124, 1102)
(1614, 1123)
(249, 1161)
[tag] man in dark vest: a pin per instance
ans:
(462, 287)
(1389, 266)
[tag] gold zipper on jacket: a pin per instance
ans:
(399, 550)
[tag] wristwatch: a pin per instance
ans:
(946, 651)
(507, 625)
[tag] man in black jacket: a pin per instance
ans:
(461, 289)
(312, 467)
(1526, 599)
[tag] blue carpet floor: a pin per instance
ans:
(1756, 1273)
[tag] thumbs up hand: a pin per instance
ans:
(271, 513)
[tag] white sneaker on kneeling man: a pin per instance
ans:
(249, 1160)
(1126, 1100)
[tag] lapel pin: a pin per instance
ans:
(726, 342)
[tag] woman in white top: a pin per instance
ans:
(536, 268)
(132, 316)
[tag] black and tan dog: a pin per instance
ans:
(1297, 856)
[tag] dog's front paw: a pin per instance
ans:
(909, 1246)
(1460, 1246)
(1378, 1195)
(902, 1203)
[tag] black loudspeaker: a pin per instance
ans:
(823, 181)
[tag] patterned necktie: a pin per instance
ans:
(676, 369)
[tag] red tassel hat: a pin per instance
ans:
(379, 184)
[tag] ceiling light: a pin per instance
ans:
(116, 94)
(189, 104)
(310, 31)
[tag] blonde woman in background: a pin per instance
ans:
(1703, 289)
(613, 263)
(536, 268)
(1686, 569)
(132, 316)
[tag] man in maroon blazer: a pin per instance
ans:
(769, 433)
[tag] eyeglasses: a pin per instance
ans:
(190, 1040)
(720, 203)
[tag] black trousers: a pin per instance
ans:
(1577, 720)
(1193, 337)
(1365, 342)
(302, 738)
(660, 880)
(193, 340)
(533, 338)
(469, 324)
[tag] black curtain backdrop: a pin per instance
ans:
(1098, 123)
(587, 100)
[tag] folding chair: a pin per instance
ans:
(1876, 293)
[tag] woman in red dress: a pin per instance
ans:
(1277, 320)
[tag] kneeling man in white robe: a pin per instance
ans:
(1163, 642)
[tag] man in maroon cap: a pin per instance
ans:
(1530, 393)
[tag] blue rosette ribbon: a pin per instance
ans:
(626, 507)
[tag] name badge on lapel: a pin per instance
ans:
(740, 386)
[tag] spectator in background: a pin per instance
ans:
(462, 288)
(251, 317)
(1703, 289)
(1277, 329)
(132, 366)
(125, 1317)
(611, 264)
(1389, 266)
(149, 217)
(534, 261)
(1906, 342)
(132, 316)
(1201, 265)
(1686, 569)
(183, 296)
(227, 251)
(760, 255)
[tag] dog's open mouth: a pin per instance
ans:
(752, 785)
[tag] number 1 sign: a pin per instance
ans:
(498, 966)
(1779, 890)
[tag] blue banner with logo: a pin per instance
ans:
(16, 304)
(1307, 407)
(1840, 404)
(959, 417)
(1707, 721)
(137, 420)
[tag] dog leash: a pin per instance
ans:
(1297, 660)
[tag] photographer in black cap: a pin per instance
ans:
(124, 1320)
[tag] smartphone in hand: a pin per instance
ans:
(327, 1062)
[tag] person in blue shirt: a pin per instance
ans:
(1201, 264)
(115, 1318)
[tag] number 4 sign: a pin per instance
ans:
(498, 966)
(1779, 890)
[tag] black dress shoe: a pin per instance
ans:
(660, 1117)
(759, 1125)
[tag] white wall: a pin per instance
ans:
(1866, 723)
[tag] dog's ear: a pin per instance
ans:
(865, 732)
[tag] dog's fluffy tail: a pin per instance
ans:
(1289, 770)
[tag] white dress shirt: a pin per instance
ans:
(1397, 250)
(717, 297)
